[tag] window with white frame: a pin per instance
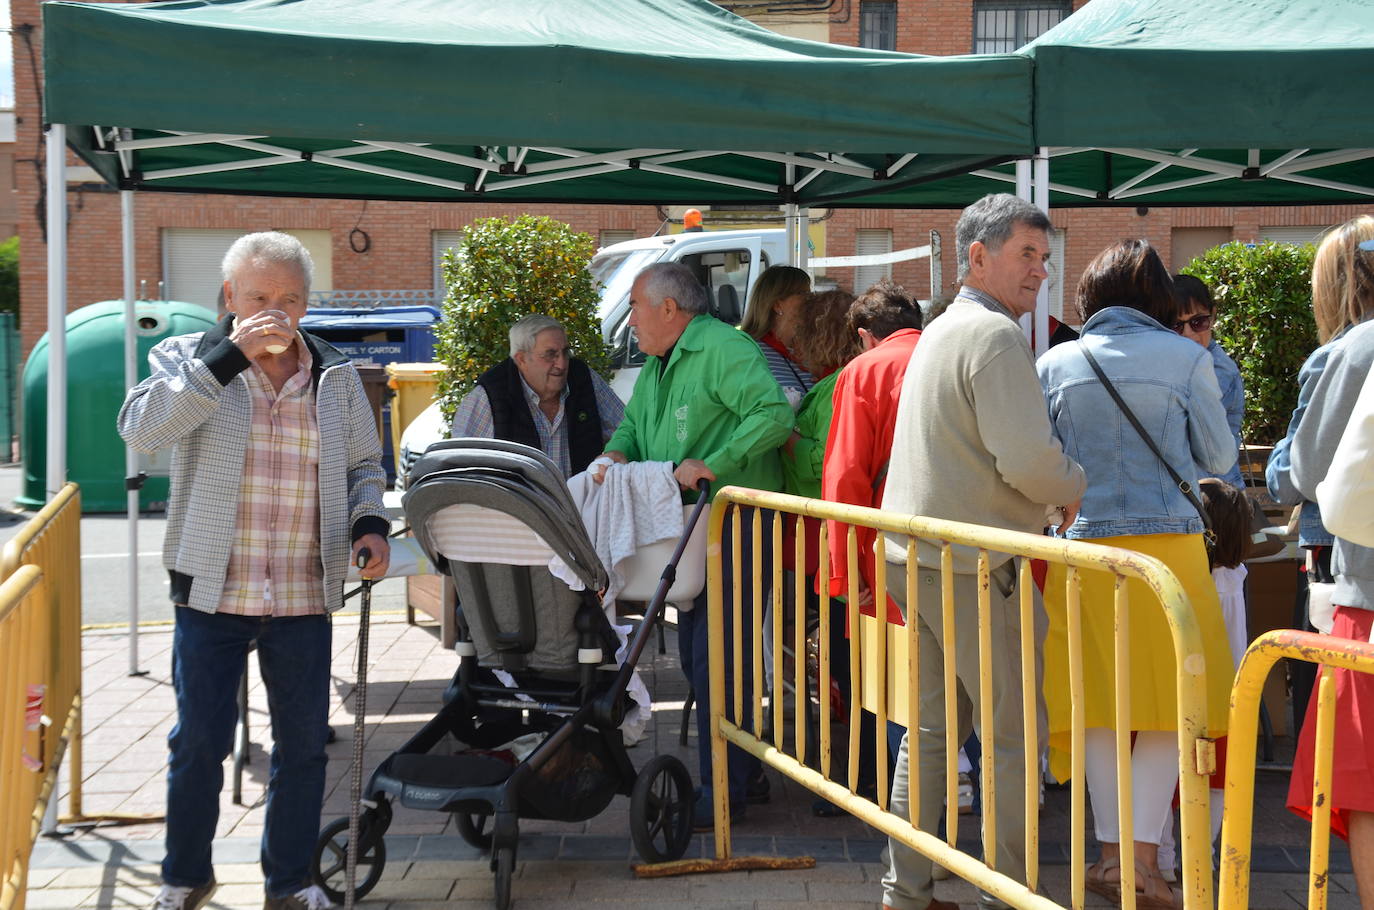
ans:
(871, 242)
(443, 241)
(1002, 26)
(191, 259)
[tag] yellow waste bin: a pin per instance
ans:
(415, 385)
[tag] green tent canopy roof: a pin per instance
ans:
(638, 100)
(1208, 102)
(1139, 102)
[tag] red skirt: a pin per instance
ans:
(1352, 767)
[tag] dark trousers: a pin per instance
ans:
(694, 649)
(209, 652)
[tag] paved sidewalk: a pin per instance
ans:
(569, 866)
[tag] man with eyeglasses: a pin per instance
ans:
(544, 397)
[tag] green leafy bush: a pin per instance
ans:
(9, 276)
(503, 270)
(1264, 321)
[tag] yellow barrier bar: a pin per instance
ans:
(756, 623)
(1196, 753)
(852, 612)
(880, 657)
(1077, 739)
(779, 615)
(1319, 863)
(21, 784)
(1259, 659)
(952, 743)
(715, 630)
(913, 657)
(1124, 800)
(1030, 722)
(736, 613)
(989, 731)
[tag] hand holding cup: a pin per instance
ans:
(267, 332)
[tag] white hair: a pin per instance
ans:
(526, 331)
(675, 280)
(269, 247)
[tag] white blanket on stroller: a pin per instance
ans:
(637, 504)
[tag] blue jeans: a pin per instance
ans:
(694, 651)
(209, 654)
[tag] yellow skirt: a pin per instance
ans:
(1153, 680)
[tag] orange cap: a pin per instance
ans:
(691, 218)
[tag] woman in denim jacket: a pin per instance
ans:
(1126, 300)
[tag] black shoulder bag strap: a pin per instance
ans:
(1184, 486)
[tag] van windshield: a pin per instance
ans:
(616, 271)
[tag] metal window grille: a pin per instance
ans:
(878, 24)
(1001, 26)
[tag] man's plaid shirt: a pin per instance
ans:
(274, 563)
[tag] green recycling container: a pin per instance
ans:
(95, 392)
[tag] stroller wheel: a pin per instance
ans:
(661, 810)
(330, 866)
(504, 863)
(472, 828)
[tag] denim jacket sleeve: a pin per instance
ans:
(1278, 473)
(1209, 433)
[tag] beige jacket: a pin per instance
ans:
(973, 441)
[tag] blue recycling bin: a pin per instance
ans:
(373, 338)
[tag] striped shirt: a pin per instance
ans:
(473, 419)
(274, 559)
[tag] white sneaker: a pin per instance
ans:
(311, 898)
(175, 897)
(965, 794)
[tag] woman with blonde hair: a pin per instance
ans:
(771, 318)
(1342, 301)
(1336, 307)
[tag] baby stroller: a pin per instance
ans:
(536, 668)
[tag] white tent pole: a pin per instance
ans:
(789, 216)
(1024, 191)
(803, 238)
(1041, 188)
(57, 307)
(56, 169)
(131, 479)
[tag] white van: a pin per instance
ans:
(728, 264)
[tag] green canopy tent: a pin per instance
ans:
(1223, 102)
(523, 101)
(624, 101)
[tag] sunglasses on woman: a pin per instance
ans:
(1197, 323)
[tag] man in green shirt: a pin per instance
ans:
(705, 401)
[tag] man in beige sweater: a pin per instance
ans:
(973, 443)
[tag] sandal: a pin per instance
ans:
(1098, 883)
(1152, 892)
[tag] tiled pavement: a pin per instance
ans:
(568, 866)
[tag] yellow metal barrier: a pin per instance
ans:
(24, 786)
(884, 664)
(1237, 824)
(51, 540)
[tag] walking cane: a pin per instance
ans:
(355, 786)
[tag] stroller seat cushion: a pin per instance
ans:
(466, 769)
